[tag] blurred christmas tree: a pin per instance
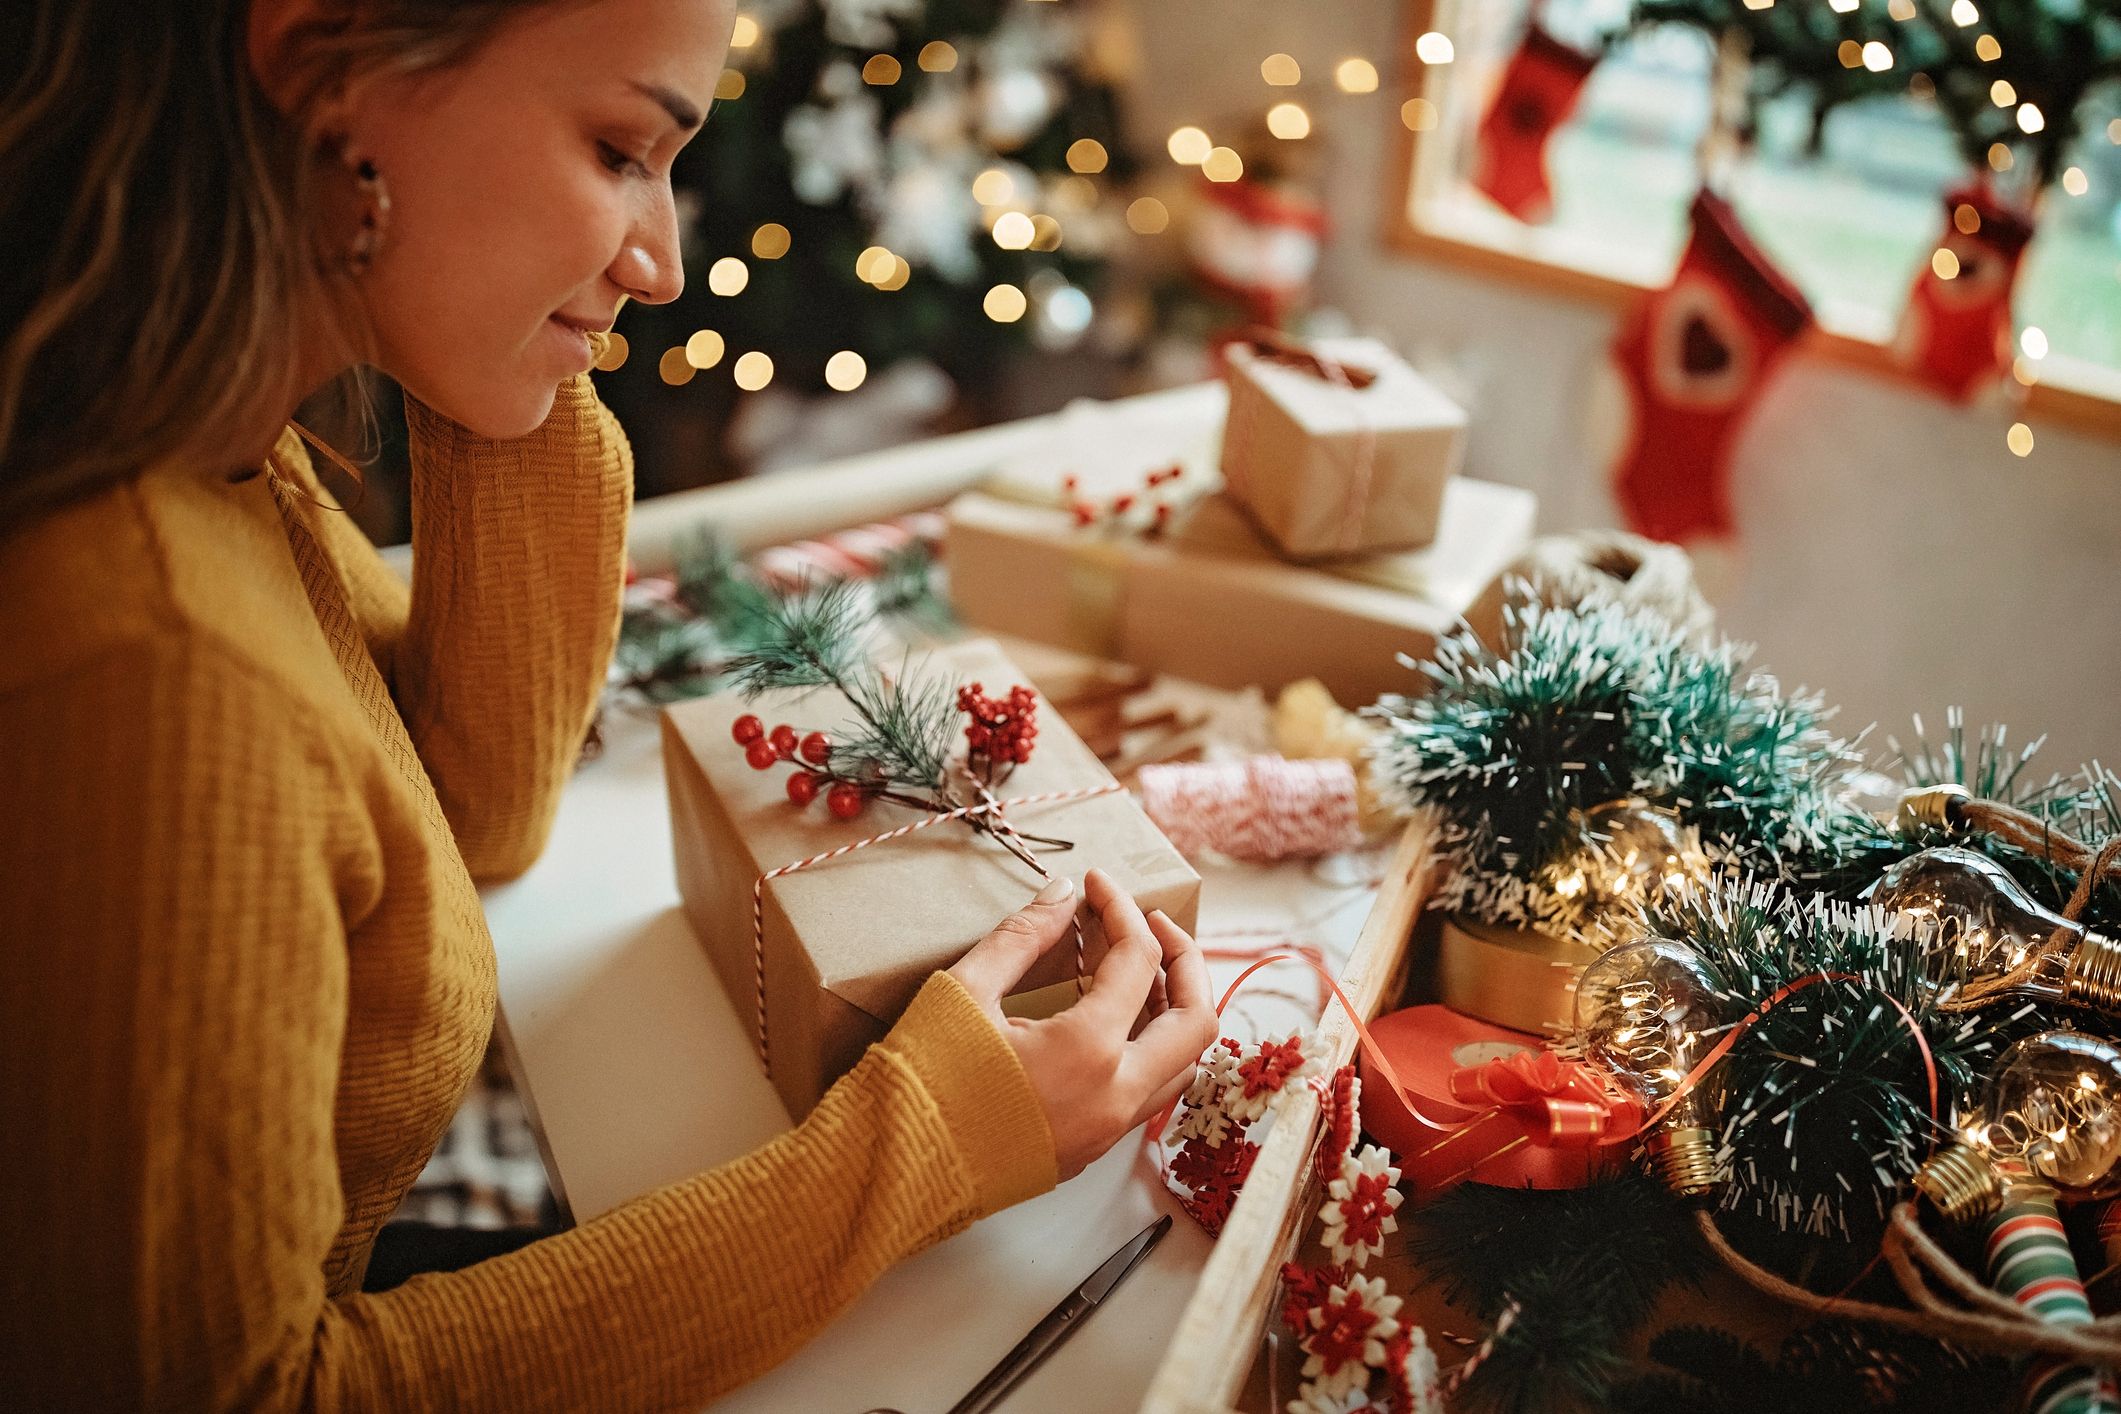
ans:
(881, 181)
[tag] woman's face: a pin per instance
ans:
(529, 191)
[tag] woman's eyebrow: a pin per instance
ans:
(681, 112)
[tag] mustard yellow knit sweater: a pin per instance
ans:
(246, 782)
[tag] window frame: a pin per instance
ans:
(2083, 396)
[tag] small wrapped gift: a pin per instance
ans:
(1339, 448)
(821, 959)
(1211, 601)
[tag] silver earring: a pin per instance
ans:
(373, 219)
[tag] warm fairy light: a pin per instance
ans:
(845, 370)
(2030, 119)
(897, 276)
(745, 34)
(1988, 49)
(993, 187)
(2019, 439)
(2075, 182)
(1434, 48)
(1964, 13)
(704, 349)
(1288, 120)
(1146, 216)
(1850, 53)
(770, 241)
(1901, 9)
(675, 368)
(882, 70)
(1419, 114)
(753, 371)
(1189, 147)
(2023, 370)
(1012, 230)
(1072, 194)
(1966, 219)
(2002, 94)
(936, 57)
(1876, 57)
(2113, 131)
(1760, 4)
(1005, 304)
(1360, 75)
(2033, 340)
(874, 265)
(1087, 154)
(1999, 157)
(730, 86)
(1842, 7)
(1223, 165)
(1045, 232)
(1944, 263)
(728, 276)
(1281, 70)
(614, 355)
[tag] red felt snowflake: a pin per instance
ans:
(1264, 1073)
(1359, 1206)
(1346, 1333)
(1303, 1287)
(1341, 1101)
(1215, 1176)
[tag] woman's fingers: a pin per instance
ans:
(997, 962)
(1132, 954)
(1174, 1040)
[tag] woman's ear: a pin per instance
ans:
(272, 41)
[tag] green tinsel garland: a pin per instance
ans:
(1582, 707)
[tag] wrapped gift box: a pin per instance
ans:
(1213, 602)
(847, 943)
(1329, 470)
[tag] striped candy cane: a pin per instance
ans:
(2029, 1261)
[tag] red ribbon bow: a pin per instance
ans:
(1558, 1103)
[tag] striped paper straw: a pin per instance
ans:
(2029, 1261)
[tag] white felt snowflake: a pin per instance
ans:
(1209, 1123)
(1315, 1398)
(1359, 1206)
(1347, 1334)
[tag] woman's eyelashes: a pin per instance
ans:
(620, 161)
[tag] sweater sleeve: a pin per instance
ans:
(178, 860)
(519, 550)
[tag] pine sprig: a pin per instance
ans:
(1582, 1268)
(1585, 706)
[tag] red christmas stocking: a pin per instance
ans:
(1540, 86)
(1956, 332)
(1695, 356)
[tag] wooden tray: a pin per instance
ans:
(1213, 1350)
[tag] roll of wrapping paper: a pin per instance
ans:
(1426, 1045)
(2029, 1261)
(1513, 977)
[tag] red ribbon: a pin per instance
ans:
(1562, 1103)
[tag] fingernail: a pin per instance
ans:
(1061, 888)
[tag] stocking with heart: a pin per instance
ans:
(1956, 332)
(1695, 357)
(1539, 89)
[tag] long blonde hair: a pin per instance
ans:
(159, 230)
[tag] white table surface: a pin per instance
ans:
(639, 1072)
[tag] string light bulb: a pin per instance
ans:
(1634, 855)
(1647, 1012)
(1985, 941)
(2050, 1114)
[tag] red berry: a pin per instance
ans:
(802, 787)
(783, 739)
(1122, 504)
(817, 748)
(747, 729)
(761, 755)
(844, 800)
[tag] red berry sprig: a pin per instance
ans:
(765, 748)
(1001, 731)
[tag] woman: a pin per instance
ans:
(250, 780)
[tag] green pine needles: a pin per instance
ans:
(1586, 706)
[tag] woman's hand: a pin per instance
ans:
(1095, 1084)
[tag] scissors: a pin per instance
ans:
(1059, 1323)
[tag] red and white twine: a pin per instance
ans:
(1264, 808)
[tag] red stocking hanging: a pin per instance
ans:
(1540, 86)
(1695, 356)
(1956, 332)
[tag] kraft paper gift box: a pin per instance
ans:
(1211, 601)
(1329, 470)
(847, 943)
